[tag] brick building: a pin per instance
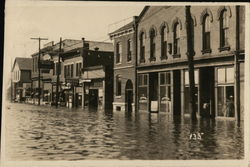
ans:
(72, 63)
(21, 79)
(124, 67)
(162, 71)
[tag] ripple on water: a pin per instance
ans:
(44, 133)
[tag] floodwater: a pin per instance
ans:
(46, 133)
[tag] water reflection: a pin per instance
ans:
(44, 133)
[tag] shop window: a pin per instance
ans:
(206, 34)
(164, 43)
(187, 90)
(196, 77)
(225, 92)
(118, 85)
(165, 92)
(224, 26)
(142, 47)
(142, 91)
(129, 50)
(152, 45)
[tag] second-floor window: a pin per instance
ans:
(78, 69)
(152, 45)
(163, 42)
(224, 28)
(118, 52)
(142, 47)
(68, 71)
(129, 50)
(177, 38)
(56, 68)
(206, 33)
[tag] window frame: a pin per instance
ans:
(206, 34)
(152, 44)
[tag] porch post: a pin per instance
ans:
(83, 95)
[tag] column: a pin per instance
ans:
(83, 87)
(103, 94)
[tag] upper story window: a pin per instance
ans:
(57, 68)
(206, 34)
(118, 52)
(118, 85)
(129, 50)
(68, 71)
(163, 42)
(224, 19)
(142, 47)
(177, 38)
(152, 45)
(78, 69)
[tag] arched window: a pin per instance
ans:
(163, 42)
(129, 50)
(142, 47)
(224, 28)
(118, 85)
(177, 39)
(118, 52)
(206, 34)
(152, 45)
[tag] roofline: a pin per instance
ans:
(144, 10)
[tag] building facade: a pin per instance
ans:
(162, 71)
(124, 67)
(21, 79)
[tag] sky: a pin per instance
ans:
(27, 19)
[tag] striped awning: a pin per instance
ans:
(93, 74)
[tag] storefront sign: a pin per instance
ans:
(46, 64)
(72, 82)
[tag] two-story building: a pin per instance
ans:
(21, 79)
(162, 71)
(124, 67)
(73, 61)
(41, 75)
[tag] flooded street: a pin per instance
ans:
(46, 133)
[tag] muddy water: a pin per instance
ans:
(45, 133)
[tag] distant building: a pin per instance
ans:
(73, 62)
(97, 78)
(124, 67)
(21, 79)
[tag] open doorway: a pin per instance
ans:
(93, 98)
(153, 88)
(129, 95)
(177, 92)
(207, 98)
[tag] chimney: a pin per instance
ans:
(83, 41)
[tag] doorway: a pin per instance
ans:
(93, 98)
(177, 92)
(153, 88)
(207, 97)
(129, 95)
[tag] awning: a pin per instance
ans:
(93, 74)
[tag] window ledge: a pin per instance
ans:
(206, 51)
(152, 59)
(118, 97)
(176, 56)
(142, 60)
(224, 48)
(164, 58)
(129, 61)
(118, 63)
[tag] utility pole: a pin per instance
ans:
(39, 72)
(190, 54)
(58, 73)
